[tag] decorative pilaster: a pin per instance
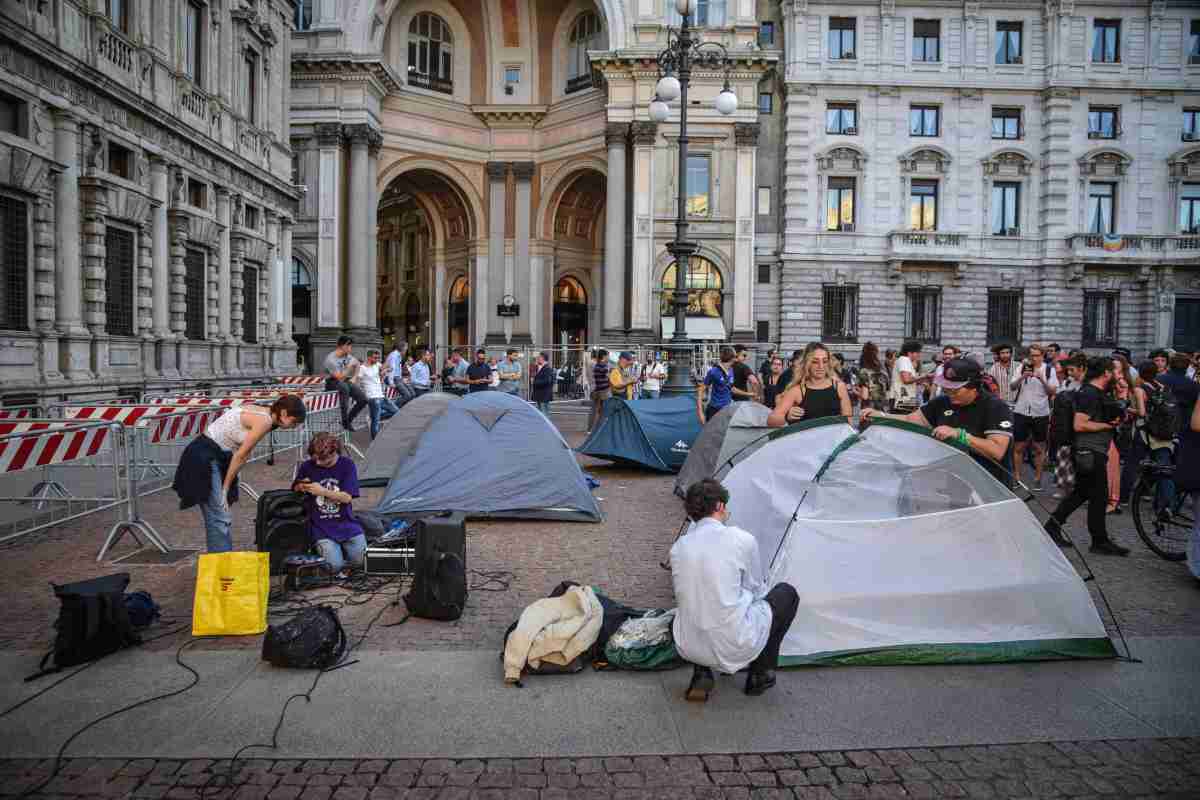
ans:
(491, 281)
(361, 272)
(286, 222)
(74, 347)
(329, 276)
(95, 222)
(145, 294)
(237, 315)
(49, 371)
(517, 275)
(745, 135)
(616, 137)
(374, 144)
(645, 136)
(177, 235)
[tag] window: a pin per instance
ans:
(1006, 209)
(922, 207)
(191, 40)
(923, 314)
(841, 118)
(193, 293)
(1004, 316)
(924, 120)
(1101, 205)
(762, 330)
(117, 12)
(1006, 123)
(841, 38)
(512, 76)
(250, 304)
(698, 175)
(1099, 319)
(766, 102)
(927, 37)
(250, 217)
(1194, 44)
(1008, 42)
(764, 201)
(430, 54)
(839, 205)
(1189, 208)
(1191, 125)
(839, 313)
(764, 276)
(766, 34)
(1106, 41)
(304, 14)
(118, 282)
(704, 285)
(197, 193)
(709, 13)
(586, 34)
(120, 161)
(301, 294)
(250, 96)
(14, 264)
(13, 115)
(1103, 123)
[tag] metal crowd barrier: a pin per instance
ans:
(57, 456)
(21, 412)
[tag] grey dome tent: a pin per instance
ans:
(488, 454)
(657, 434)
(726, 435)
(399, 436)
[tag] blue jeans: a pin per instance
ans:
(337, 554)
(218, 521)
(651, 394)
(380, 408)
(1164, 488)
(544, 407)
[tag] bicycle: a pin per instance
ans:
(1165, 531)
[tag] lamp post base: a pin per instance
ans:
(679, 370)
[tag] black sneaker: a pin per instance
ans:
(1107, 547)
(759, 682)
(701, 686)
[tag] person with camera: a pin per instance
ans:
(1035, 387)
(1097, 415)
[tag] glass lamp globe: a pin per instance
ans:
(668, 89)
(727, 102)
(685, 7)
(659, 111)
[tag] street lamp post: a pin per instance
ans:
(675, 65)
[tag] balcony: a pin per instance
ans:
(1135, 248)
(114, 49)
(431, 82)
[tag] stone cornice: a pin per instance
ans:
(510, 116)
(344, 67)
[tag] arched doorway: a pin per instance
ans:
(459, 317)
(570, 312)
(706, 297)
(301, 310)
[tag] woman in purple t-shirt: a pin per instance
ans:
(331, 482)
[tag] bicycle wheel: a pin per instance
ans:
(1167, 535)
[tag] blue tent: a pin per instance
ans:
(490, 455)
(650, 433)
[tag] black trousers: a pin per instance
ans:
(346, 392)
(1092, 488)
(783, 601)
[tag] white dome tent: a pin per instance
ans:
(904, 550)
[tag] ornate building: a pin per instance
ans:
(146, 207)
(992, 172)
(466, 155)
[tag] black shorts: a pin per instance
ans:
(1025, 428)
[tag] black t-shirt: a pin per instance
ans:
(477, 371)
(988, 415)
(1090, 400)
(741, 379)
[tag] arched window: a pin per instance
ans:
(569, 290)
(430, 53)
(704, 286)
(586, 34)
(300, 276)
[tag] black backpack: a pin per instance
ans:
(1163, 419)
(92, 622)
(1062, 420)
(439, 588)
(313, 639)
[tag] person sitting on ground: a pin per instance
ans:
(210, 464)
(726, 619)
(330, 481)
(814, 392)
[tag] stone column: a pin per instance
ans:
(328, 314)
(288, 361)
(161, 271)
(370, 268)
(641, 294)
(615, 209)
(223, 334)
(74, 347)
(489, 288)
(745, 188)
(358, 251)
(145, 296)
(237, 314)
(175, 358)
(519, 280)
(439, 334)
(95, 226)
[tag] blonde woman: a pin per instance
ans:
(813, 393)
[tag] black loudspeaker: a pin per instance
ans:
(280, 527)
(439, 588)
(444, 533)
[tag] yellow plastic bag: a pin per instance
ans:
(231, 594)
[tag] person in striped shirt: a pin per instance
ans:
(1004, 373)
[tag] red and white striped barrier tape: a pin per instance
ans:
(180, 426)
(17, 413)
(57, 443)
(196, 401)
(320, 402)
(303, 380)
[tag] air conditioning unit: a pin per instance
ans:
(851, 132)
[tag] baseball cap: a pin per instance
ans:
(957, 373)
(625, 354)
(1123, 352)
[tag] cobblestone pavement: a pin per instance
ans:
(1114, 769)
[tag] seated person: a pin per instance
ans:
(727, 619)
(331, 481)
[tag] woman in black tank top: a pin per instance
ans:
(813, 394)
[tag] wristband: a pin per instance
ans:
(962, 436)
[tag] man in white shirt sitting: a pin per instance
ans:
(727, 620)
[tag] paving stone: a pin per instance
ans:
(316, 793)
(719, 763)
(886, 791)
(531, 781)
(779, 762)
(793, 777)
(436, 766)
(627, 780)
(894, 758)
(921, 754)
(946, 770)
(285, 793)
(595, 780)
(364, 780)
(881, 774)
(569, 780)
(832, 759)
(761, 778)
(949, 789)
(851, 775)
(863, 758)
(333, 780)
(254, 793)
(676, 763)
(496, 780)
(805, 760)
(586, 765)
(565, 765)
(979, 789)
(812, 793)
(820, 775)
(387, 793)
(751, 763)
(649, 764)
(730, 779)
(771, 794)
(849, 791)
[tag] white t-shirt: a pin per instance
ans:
(1032, 398)
(905, 394)
(368, 379)
(654, 377)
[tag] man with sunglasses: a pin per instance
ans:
(965, 413)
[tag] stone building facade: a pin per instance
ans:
(502, 155)
(146, 204)
(975, 173)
